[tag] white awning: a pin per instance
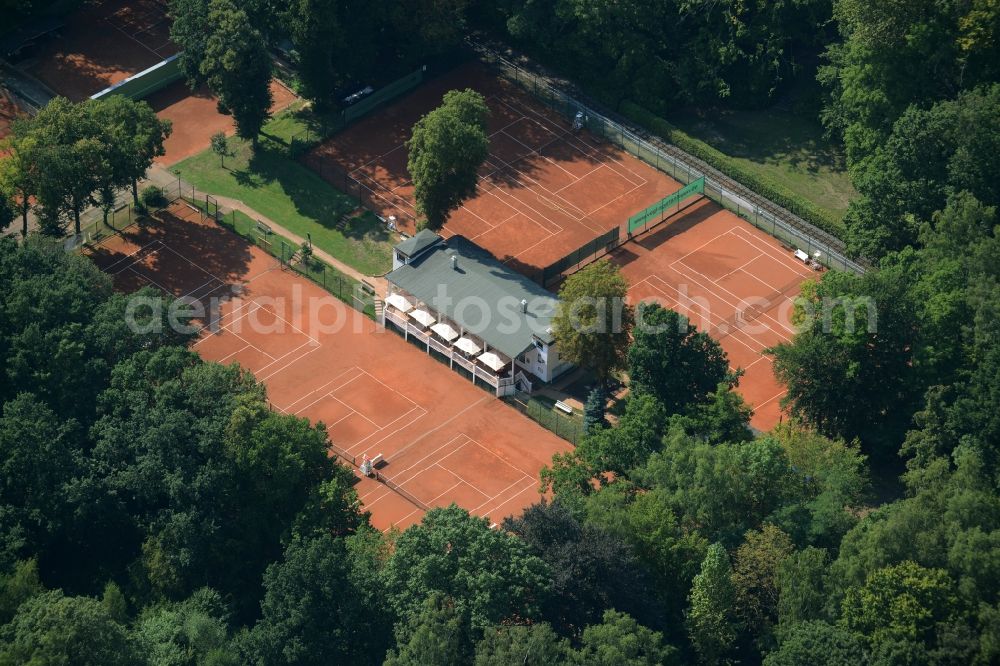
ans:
(397, 301)
(423, 316)
(493, 361)
(445, 331)
(468, 346)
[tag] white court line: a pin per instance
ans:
(134, 255)
(570, 138)
(147, 279)
(740, 300)
(473, 441)
(740, 267)
(361, 442)
(786, 260)
(388, 387)
(538, 186)
(708, 242)
(537, 152)
(705, 313)
(142, 44)
(719, 286)
(771, 399)
(321, 388)
(225, 359)
(232, 318)
(215, 282)
(431, 502)
(608, 203)
(498, 504)
(527, 210)
(413, 466)
(736, 307)
(614, 159)
(214, 276)
(281, 368)
(278, 369)
(353, 411)
(292, 326)
(597, 157)
(493, 498)
(297, 358)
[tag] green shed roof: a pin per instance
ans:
(470, 287)
(414, 245)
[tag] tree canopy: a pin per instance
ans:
(593, 324)
(446, 149)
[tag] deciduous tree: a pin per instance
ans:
(711, 620)
(532, 645)
(638, 434)
(620, 640)
(593, 325)
(237, 67)
(670, 359)
(817, 643)
(487, 574)
(438, 634)
(446, 149)
(588, 564)
(313, 610)
(51, 628)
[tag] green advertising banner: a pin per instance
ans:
(657, 211)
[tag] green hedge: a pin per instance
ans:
(762, 185)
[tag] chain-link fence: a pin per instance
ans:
(374, 197)
(291, 255)
(564, 426)
(767, 216)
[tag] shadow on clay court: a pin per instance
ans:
(174, 93)
(90, 52)
(524, 136)
(623, 256)
(220, 252)
(681, 222)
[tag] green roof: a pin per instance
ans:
(480, 294)
(414, 245)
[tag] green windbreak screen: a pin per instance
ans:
(657, 211)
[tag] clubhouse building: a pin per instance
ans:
(485, 320)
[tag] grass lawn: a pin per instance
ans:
(282, 189)
(781, 145)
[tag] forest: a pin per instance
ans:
(153, 510)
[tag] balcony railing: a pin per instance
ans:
(453, 355)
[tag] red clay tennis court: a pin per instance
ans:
(195, 117)
(105, 43)
(444, 439)
(731, 280)
(102, 44)
(543, 192)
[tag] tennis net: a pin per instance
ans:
(399, 489)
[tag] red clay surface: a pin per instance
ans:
(105, 43)
(544, 190)
(196, 118)
(729, 279)
(444, 439)
(102, 44)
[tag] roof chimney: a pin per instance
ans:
(524, 306)
(454, 262)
